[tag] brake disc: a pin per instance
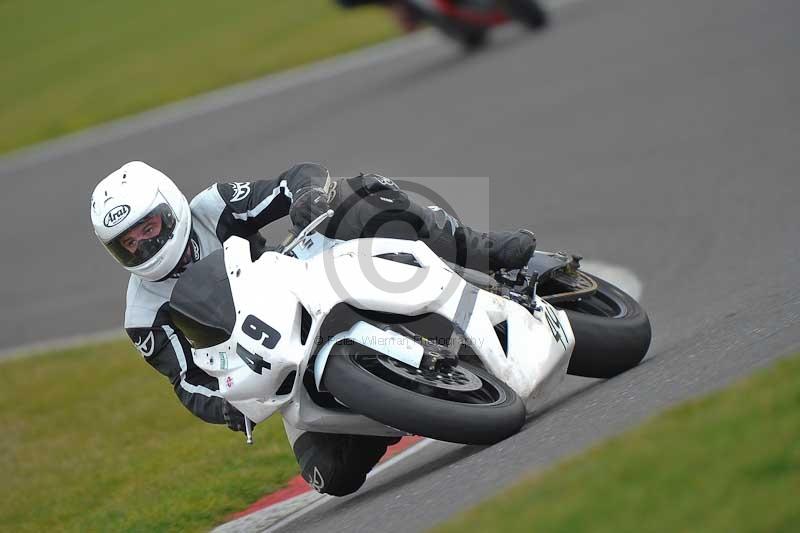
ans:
(453, 378)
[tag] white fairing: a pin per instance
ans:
(539, 344)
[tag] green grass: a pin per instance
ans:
(726, 463)
(94, 439)
(69, 65)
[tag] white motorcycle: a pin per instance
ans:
(382, 337)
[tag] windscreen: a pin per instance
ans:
(202, 305)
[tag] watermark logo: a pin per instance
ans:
(409, 210)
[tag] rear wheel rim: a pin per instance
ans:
(598, 304)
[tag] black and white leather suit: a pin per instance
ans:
(365, 205)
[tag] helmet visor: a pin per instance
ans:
(142, 241)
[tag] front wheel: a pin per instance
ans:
(612, 332)
(465, 404)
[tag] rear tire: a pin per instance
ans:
(612, 332)
(528, 12)
(375, 386)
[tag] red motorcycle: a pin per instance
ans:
(469, 21)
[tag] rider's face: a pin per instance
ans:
(146, 229)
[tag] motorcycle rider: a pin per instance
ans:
(146, 223)
(411, 14)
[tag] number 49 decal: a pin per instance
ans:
(556, 327)
(266, 334)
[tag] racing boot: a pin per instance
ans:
(494, 250)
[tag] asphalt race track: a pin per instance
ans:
(662, 136)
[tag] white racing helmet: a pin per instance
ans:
(135, 195)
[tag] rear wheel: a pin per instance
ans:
(463, 404)
(528, 12)
(612, 332)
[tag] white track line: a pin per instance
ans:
(560, 4)
(219, 99)
(61, 343)
(281, 513)
(377, 470)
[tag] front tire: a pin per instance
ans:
(470, 407)
(612, 332)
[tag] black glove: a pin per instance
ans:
(234, 418)
(308, 203)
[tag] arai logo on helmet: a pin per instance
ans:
(116, 215)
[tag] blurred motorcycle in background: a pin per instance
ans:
(468, 22)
